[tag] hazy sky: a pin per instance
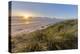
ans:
(44, 10)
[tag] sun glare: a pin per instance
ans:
(25, 17)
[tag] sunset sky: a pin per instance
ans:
(44, 10)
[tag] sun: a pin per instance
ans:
(25, 17)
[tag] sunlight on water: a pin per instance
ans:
(27, 22)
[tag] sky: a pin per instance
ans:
(44, 10)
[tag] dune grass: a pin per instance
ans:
(60, 36)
